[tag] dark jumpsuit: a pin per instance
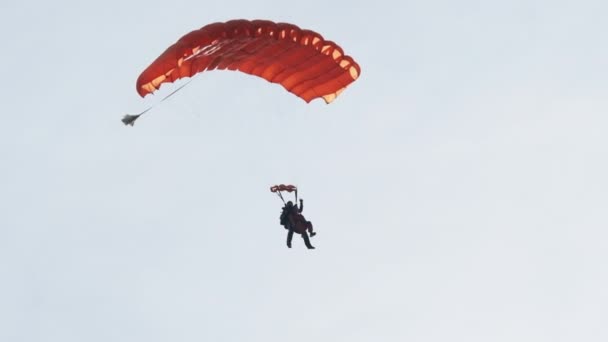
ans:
(295, 222)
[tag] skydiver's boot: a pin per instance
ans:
(307, 241)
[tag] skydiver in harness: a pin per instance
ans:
(292, 218)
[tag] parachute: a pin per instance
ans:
(282, 187)
(300, 60)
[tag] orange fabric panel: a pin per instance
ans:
(300, 60)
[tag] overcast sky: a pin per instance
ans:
(458, 187)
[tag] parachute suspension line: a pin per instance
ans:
(129, 119)
(281, 197)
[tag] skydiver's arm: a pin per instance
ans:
(301, 205)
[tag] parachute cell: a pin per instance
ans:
(300, 60)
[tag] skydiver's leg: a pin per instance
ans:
(289, 237)
(307, 240)
(309, 228)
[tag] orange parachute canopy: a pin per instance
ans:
(300, 60)
(283, 187)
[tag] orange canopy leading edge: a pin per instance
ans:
(300, 60)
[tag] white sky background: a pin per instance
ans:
(458, 187)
